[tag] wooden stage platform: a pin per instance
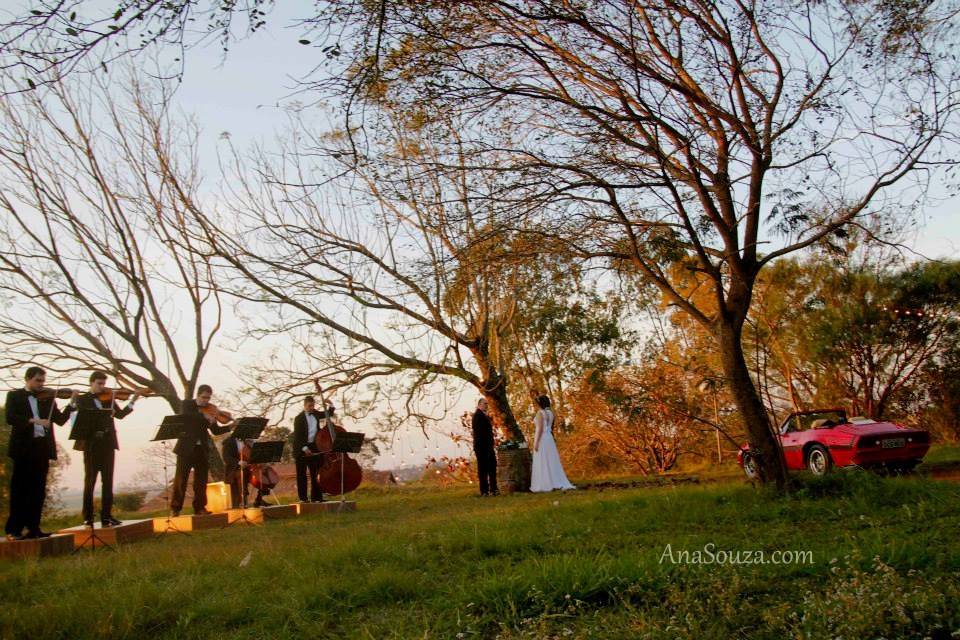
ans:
(55, 545)
(127, 531)
(188, 523)
(80, 537)
(332, 506)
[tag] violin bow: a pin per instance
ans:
(53, 406)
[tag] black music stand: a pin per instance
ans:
(247, 429)
(86, 426)
(346, 442)
(88, 422)
(173, 428)
(265, 452)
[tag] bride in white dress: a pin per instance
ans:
(547, 470)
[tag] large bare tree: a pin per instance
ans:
(682, 137)
(374, 271)
(95, 185)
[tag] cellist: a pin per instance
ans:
(192, 451)
(237, 470)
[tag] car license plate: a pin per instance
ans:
(894, 443)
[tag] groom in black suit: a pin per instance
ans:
(483, 449)
(32, 446)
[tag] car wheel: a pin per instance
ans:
(818, 460)
(750, 466)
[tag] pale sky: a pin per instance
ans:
(239, 95)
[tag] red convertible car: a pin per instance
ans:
(823, 439)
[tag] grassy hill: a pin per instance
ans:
(440, 563)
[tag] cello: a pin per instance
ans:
(263, 477)
(332, 464)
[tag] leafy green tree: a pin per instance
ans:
(879, 331)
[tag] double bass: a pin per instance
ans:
(331, 464)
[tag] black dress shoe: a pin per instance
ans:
(317, 500)
(113, 521)
(175, 514)
(12, 537)
(33, 535)
(202, 512)
(88, 522)
(106, 524)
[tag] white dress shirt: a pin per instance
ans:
(38, 430)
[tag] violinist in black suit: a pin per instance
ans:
(32, 446)
(98, 453)
(192, 451)
(305, 427)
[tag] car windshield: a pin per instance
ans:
(804, 421)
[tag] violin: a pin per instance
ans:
(48, 393)
(122, 394)
(213, 413)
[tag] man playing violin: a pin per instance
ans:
(31, 414)
(192, 451)
(305, 427)
(98, 453)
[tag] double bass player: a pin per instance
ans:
(307, 462)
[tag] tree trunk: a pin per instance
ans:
(174, 401)
(493, 387)
(763, 444)
(498, 406)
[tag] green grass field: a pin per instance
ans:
(440, 563)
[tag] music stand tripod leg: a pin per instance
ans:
(243, 499)
(169, 526)
(94, 537)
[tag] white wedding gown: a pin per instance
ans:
(547, 470)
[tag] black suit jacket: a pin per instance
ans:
(231, 456)
(185, 444)
(300, 431)
(21, 431)
(482, 432)
(86, 401)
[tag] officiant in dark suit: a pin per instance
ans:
(31, 416)
(483, 442)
